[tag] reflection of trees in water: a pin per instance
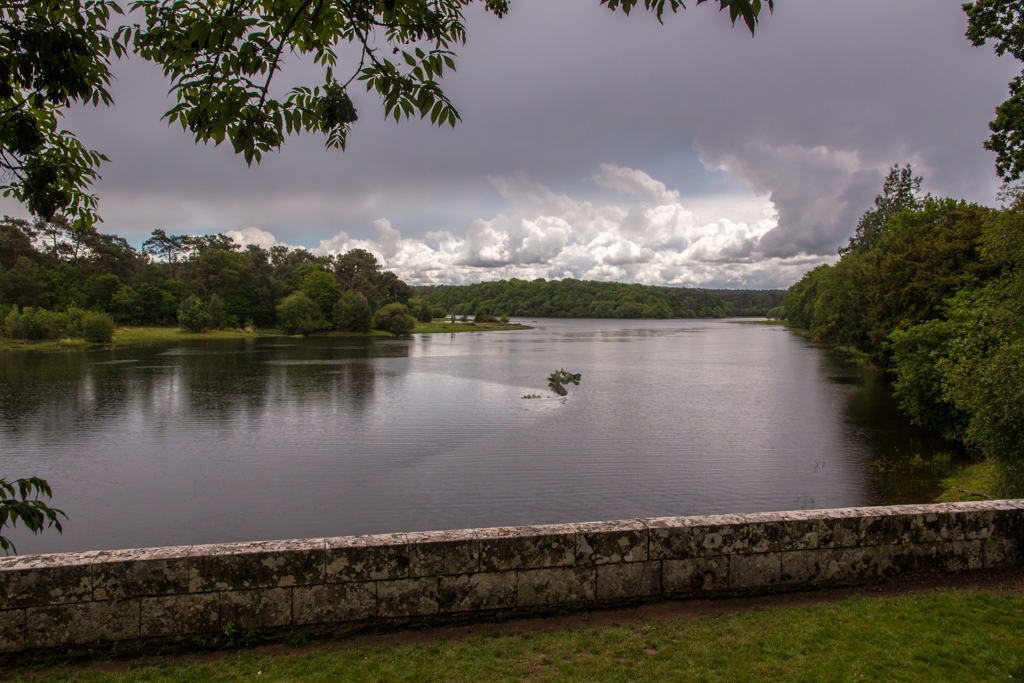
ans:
(60, 394)
(338, 373)
(905, 463)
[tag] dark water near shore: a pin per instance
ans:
(255, 439)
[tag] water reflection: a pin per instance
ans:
(230, 440)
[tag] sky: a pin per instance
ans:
(595, 146)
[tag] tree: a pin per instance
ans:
(298, 314)
(1002, 21)
(899, 192)
(169, 246)
(222, 59)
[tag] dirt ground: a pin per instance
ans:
(999, 581)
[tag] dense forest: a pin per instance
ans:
(932, 290)
(52, 275)
(591, 299)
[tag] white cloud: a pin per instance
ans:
(636, 183)
(550, 235)
(255, 236)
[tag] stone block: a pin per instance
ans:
(855, 565)
(243, 566)
(367, 558)
(682, 538)
(940, 527)
(906, 558)
(993, 523)
(800, 567)
(434, 553)
(852, 527)
(12, 630)
(781, 535)
(82, 623)
(697, 575)
(37, 580)
(262, 608)
(747, 572)
(407, 597)
(611, 542)
(959, 556)
(556, 586)
(123, 574)
(527, 547)
(173, 615)
(628, 581)
(1001, 552)
(334, 603)
(473, 592)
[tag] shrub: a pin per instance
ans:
(34, 324)
(438, 312)
(215, 311)
(504, 319)
(484, 318)
(424, 315)
(394, 318)
(352, 313)
(192, 315)
(97, 327)
(298, 314)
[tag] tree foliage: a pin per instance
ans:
(938, 301)
(590, 299)
(20, 501)
(1002, 21)
(394, 318)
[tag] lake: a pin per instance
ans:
(279, 437)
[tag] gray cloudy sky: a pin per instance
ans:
(596, 146)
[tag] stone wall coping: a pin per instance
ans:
(46, 561)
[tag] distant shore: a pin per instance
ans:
(134, 336)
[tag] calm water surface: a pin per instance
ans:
(254, 439)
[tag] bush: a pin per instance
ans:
(34, 324)
(484, 318)
(352, 313)
(298, 314)
(439, 312)
(215, 311)
(192, 315)
(424, 315)
(97, 327)
(394, 318)
(504, 319)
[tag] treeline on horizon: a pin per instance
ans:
(571, 298)
(931, 289)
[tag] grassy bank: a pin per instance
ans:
(941, 636)
(980, 477)
(153, 334)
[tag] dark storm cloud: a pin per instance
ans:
(579, 144)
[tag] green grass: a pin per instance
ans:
(157, 333)
(439, 326)
(981, 477)
(933, 637)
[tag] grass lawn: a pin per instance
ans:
(157, 333)
(929, 637)
(980, 477)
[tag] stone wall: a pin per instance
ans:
(84, 598)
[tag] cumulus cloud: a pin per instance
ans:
(657, 241)
(248, 236)
(636, 183)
